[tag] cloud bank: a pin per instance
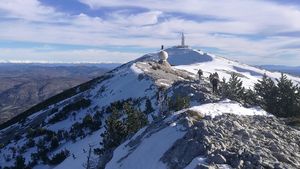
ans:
(255, 32)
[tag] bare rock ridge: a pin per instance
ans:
(237, 142)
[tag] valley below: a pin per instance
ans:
(24, 85)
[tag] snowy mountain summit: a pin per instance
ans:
(151, 115)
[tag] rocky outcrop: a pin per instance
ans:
(238, 141)
(179, 82)
(162, 74)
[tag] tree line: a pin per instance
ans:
(124, 121)
(280, 97)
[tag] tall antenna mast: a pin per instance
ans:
(182, 39)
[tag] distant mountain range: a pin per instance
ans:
(24, 85)
(294, 70)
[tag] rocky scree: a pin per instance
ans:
(238, 141)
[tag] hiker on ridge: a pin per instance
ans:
(200, 73)
(214, 80)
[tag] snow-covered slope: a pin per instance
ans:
(148, 154)
(193, 60)
(138, 80)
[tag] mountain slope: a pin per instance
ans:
(141, 80)
(24, 85)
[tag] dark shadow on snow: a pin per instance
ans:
(178, 56)
(252, 73)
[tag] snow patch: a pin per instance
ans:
(136, 69)
(147, 155)
(80, 151)
(227, 106)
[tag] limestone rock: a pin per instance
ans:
(217, 159)
(237, 142)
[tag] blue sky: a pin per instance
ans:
(109, 31)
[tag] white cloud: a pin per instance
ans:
(140, 19)
(30, 10)
(32, 21)
(48, 55)
(261, 14)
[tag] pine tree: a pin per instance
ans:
(42, 151)
(59, 157)
(30, 142)
(115, 131)
(135, 119)
(89, 122)
(20, 162)
(34, 160)
(132, 119)
(267, 94)
(297, 93)
(30, 133)
(148, 106)
(224, 87)
(54, 142)
(233, 89)
(287, 97)
(250, 98)
(143, 119)
(178, 102)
